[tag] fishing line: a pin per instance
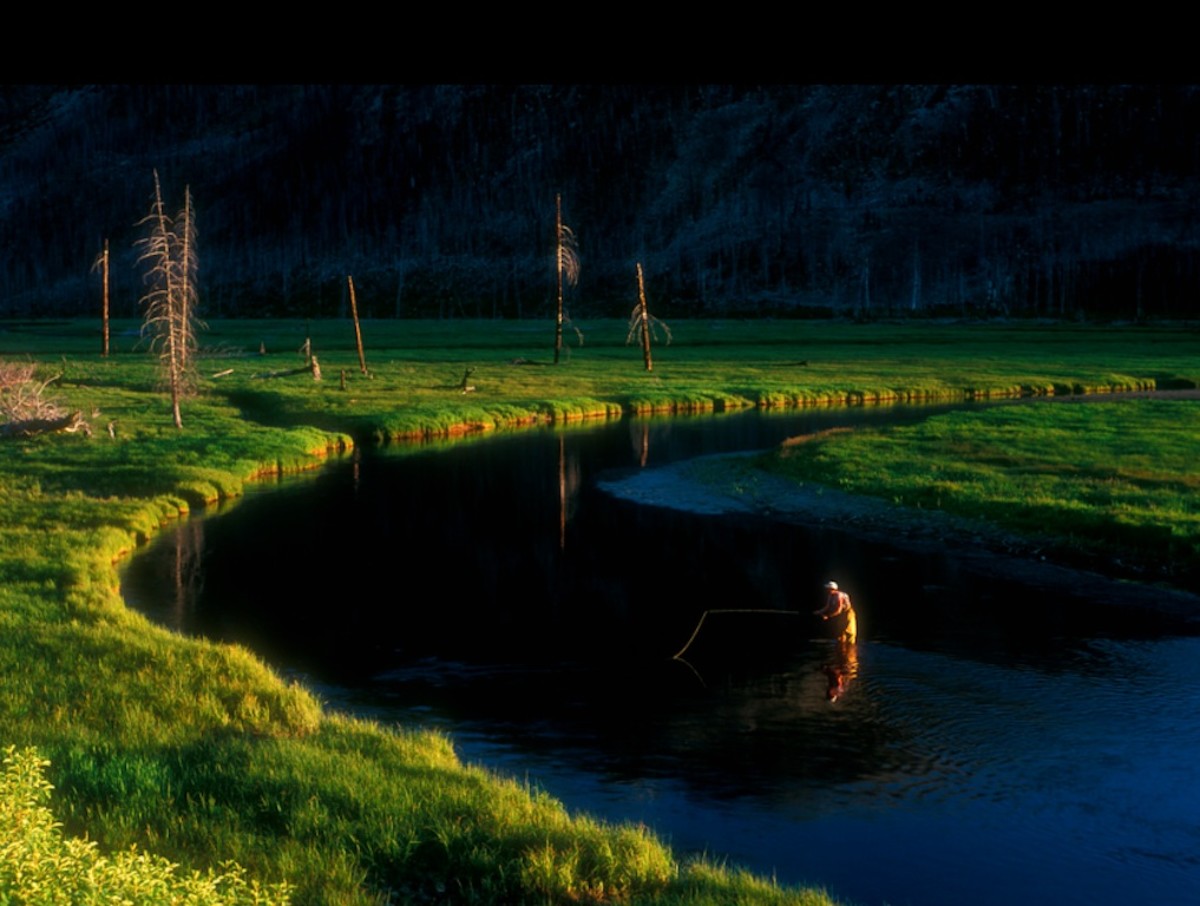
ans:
(704, 616)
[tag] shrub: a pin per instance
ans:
(41, 867)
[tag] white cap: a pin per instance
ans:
(832, 586)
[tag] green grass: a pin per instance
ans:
(199, 753)
(416, 368)
(1119, 480)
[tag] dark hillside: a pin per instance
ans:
(862, 200)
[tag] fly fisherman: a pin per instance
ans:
(839, 609)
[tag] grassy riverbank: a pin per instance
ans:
(1117, 483)
(200, 753)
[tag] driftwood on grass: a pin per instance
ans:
(313, 367)
(26, 408)
(70, 423)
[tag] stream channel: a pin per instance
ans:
(995, 741)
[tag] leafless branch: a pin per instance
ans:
(169, 250)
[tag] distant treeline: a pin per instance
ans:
(805, 200)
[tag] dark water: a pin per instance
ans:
(992, 743)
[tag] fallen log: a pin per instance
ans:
(313, 368)
(30, 427)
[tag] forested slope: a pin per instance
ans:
(862, 200)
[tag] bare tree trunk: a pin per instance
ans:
(558, 317)
(645, 316)
(171, 252)
(568, 270)
(362, 361)
(306, 350)
(181, 331)
(104, 330)
(172, 335)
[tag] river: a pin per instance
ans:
(985, 741)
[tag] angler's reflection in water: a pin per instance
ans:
(842, 670)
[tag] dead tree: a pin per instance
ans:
(362, 360)
(642, 324)
(101, 262)
(170, 252)
(568, 271)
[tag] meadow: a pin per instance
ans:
(199, 754)
(1116, 483)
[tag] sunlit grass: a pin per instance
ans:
(417, 368)
(1121, 479)
(199, 752)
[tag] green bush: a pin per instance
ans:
(41, 867)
